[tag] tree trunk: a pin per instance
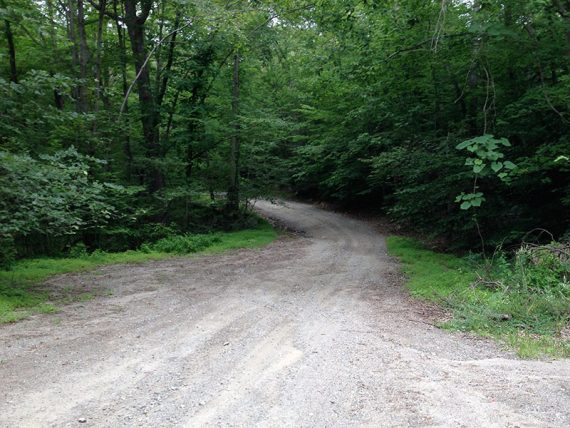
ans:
(473, 76)
(57, 96)
(164, 74)
(123, 61)
(82, 100)
(149, 113)
(11, 51)
(73, 34)
(99, 55)
(233, 191)
(436, 99)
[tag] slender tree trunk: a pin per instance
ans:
(459, 96)
(158, 52)
(194, 120)
(123, 61)
(149, 113)
(99, 55)
(72, 35)
(436, 98)
(82, 102)
(510, 22)
(11, 51)
(57, 96)
(233, 191)
(473, 77)
(171, 112)
(164, 74)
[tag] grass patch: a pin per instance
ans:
(527, 319)
(21, 293)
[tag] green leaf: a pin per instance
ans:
(510, 165)
(477, 202)
(478, 168)
(465, 205)
(463, 145)
(497, 166)
(505, 142)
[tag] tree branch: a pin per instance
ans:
(107, 12)
(169, 61)
(145, 64)
(146, 6)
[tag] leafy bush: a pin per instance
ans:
(53, 196)
(7, 252)
(130, 237)
(78, 251)
(183, 244)
(540, 269)
(532, 288)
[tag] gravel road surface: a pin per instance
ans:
(310, 331)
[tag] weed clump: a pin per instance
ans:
(522, 298)
(182, 244)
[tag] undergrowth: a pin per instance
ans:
(523, 301)
(22, 292)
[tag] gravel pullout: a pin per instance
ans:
(313, 331)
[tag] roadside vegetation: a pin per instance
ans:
(22, 292)
(523, 301)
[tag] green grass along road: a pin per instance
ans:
(21, 292)
(529, 322)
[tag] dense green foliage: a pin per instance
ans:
(386, 92)
(450, 115)
(51, 197)
(524, 302)
(126, 122)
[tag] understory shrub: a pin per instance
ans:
(542, 269)
(78, 251)
(183, 244)
(117, 239)
(522, 298)
(7, 252)
(53, 199)
(537, 283)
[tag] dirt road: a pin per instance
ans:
(308, 332)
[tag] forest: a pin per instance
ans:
(125, 121)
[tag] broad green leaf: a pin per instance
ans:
(509, 165)
(497, 166)
(478, 168)
(463, 145)
(477, 202)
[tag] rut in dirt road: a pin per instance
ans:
(314, 331)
